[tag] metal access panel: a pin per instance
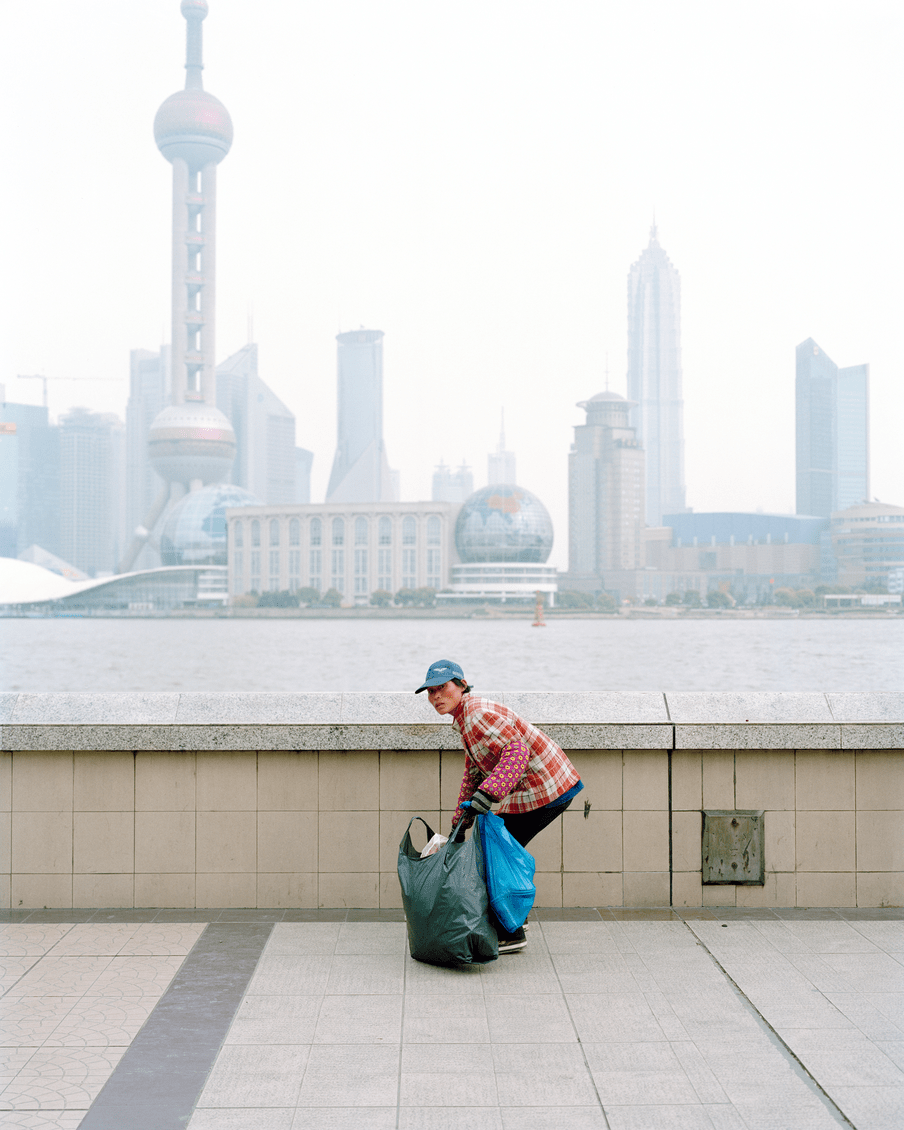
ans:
(733, 847)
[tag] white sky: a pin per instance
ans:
(475, 179)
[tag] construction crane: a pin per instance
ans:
(41, 377)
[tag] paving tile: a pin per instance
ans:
(666, 1117)
(70, 1064)
(255, 1076)
(162, 939)
(264, 1118)
(133, 976)
(371, 938)
(90, 939)
(455, 1091)
(58, 976)
(347, 1118)
(561, 1078)
(43, 1120)
(51, 1094)
(578, 937)
(359, 1020)
(322, 1087)
(894, 1049)
(282, 974)
(296, 938)
(769, 1107)
(699, 1073)
(869, 972)
(20, 940)
(528, 1018)
(618, 1088)
(602, 1017)
(98, 1022)
(381, 974)
(350, 1075)
(862, 1012)
(872, 1108)
(550, 1118)
(868, 1067)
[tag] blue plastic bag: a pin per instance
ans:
(509, 871)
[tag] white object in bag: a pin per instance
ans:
(434, 844)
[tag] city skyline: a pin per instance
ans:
(431, 244)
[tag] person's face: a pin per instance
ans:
(445, 699)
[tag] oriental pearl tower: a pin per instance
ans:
(191, 443)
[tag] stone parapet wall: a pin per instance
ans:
(201, 800)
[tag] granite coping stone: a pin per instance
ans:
(401, 720)
(885, 706)
(730, 707)
(759, 735)
(7, 705)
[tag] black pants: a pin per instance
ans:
(523, 826)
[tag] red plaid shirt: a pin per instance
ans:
(508, 758)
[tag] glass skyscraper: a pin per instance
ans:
(832, 432)
(654, 377)
(361, 471)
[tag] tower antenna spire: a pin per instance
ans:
(194, 12)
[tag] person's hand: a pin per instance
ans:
(481, 802)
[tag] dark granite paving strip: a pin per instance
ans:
(157, 1082)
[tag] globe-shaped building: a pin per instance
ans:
(195, 529)
(503, 523)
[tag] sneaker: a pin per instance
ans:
(516, 942)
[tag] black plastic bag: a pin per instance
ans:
(445, 901)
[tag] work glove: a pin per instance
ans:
(481, 802)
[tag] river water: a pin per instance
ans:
(497, 655)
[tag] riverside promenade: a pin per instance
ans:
(275, 992)
(631, 1019)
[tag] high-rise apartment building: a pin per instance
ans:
(605, 492)
(361, 471)
(832, 432)
(92, 494)
(654, 377)
(29, 480)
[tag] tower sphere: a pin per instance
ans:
(191, 441)
(503, 522)
(194, 9)
(195, 126)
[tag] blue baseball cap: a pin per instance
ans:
(440, 672)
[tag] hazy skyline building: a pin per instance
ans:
(501, 463)
(92, 489)
(655, 379)
(267, 462)
(605, 493)
(191, 443)
(452, 485)
(149, 394)
(29, 479)
(831, 433)
(361, 471)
